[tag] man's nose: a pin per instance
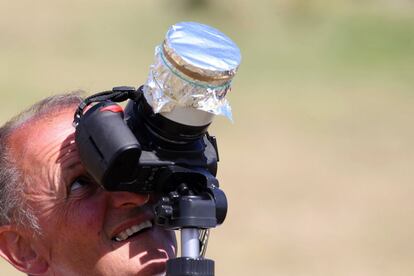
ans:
(127, 199)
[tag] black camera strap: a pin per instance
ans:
(117, 94)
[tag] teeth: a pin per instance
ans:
(122, 236)
(132, 230)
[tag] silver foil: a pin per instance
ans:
(199, 49)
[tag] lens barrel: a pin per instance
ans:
(168, 129)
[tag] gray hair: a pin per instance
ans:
(13, 207)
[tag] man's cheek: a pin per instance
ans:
(88, 214)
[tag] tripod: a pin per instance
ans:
(192, 209)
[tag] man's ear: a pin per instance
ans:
(17, 249)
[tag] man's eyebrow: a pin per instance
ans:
(73, 165)
(69, 160)
(68, 150)
(70, 172)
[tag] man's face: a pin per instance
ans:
(85, 230)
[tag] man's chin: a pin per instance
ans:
(145, 254)
(155, 260)
(153, 268)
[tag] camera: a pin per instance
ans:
(139, 151)
(160, 144)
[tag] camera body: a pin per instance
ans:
(140, 151)
(135, 150)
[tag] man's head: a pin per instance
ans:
(55, 220)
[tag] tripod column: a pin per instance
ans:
(190, 244)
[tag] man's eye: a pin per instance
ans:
(79, 183)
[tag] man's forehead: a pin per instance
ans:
(36, 135)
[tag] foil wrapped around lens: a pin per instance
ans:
(192, 72)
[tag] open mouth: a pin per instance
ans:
(133, 231)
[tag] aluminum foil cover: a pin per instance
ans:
(194, 68)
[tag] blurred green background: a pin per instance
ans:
(318, 163)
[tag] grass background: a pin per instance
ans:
(318, 164)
